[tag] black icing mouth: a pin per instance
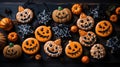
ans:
(11, 54)
(42, 35)
(62, 17)
(90, 42)
(105, 31)
(26, 18)
(51, 51)
(31, 49)
(75, 52)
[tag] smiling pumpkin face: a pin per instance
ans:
(24, 15)
(88, 39)
(43, 33)
(73, 49)
(30, 46)
(53, 48)
(62, 15)
(85, 22)
(104, 28)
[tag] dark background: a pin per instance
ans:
(56, 64)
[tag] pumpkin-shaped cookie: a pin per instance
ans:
(85, 22)
(43, 33)
(53, 48)
(73, 49)
(12, 36)
(88, 39)
(2, 40)
(61, 15)
(30, 46)
(6, 24)
(24, 15)
(103, 28)
(12, 51)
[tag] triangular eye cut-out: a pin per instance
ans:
(20, 9)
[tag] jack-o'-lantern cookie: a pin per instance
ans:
(73, 49)
(61, 15)
(43, 33)
(12, 51)
(30, 46)
(53, 48)
(97, 51)
(88, 39)
(103, 28)
(85, 22)
(24, 15)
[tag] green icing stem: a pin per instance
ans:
(60, 8)
(11, 44)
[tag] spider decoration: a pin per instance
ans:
(44, 17)
(25, 30)
(113, 43)
(61, 30)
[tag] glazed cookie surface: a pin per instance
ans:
(62, 15)
(103, 28)
(117, 10)
(43, 33)
(73, 49)
(12, 36)
(88, 39)
(30, 46)
(85, 22)
(76, 9)
(97, 51)
(24, 15)
(2, 40)
(53, 48)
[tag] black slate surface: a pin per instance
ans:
(27, 61)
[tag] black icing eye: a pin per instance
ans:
(75, 46)
(105, 24)
(100, 26)
(26, 42)
(8, 50)
(85, 38)
(88, 20)
(56, 47)
(32, 41)
(25, 12)
(81, 21)
(12, 50)
(69, 47)
(58, 13)
(89, 34)
(50, 45)
(41, 29)
(47, 31)
(21, 14)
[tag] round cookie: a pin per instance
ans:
(73, 49)
(117, 10)
(24, 15)
(97, 51)
(113, 18)
(53, 48)
(76, 9)
(85, 22)
(88, 39)
(30, 46)
(61, 15)
(103, 28)
(12, 51)
(12, 36)
(43, 33)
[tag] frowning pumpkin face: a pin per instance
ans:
(43, 33)
(30, 46)
(103, 28)
(73, 49)
(53, 48)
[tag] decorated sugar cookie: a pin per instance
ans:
(53, 48)
(73, 49)
(24, 15)
(43, 33)
(103, 28)
(30, 46)
(85, 22)
(87, 38)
